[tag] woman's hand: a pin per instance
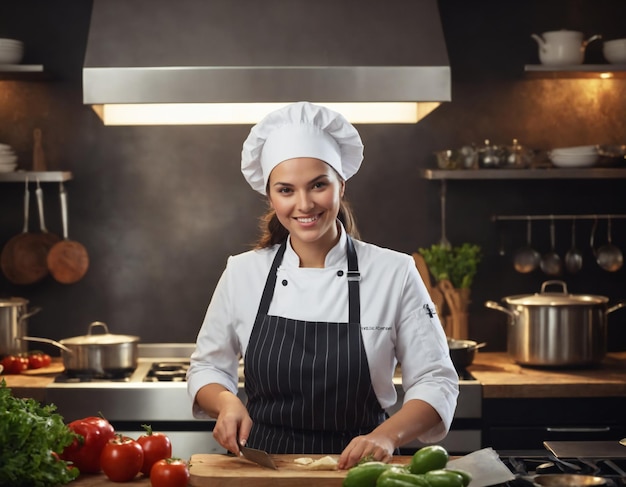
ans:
(374, 447)
(233, 423)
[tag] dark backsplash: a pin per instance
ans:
(160, 208)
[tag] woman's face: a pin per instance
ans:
(305, 194)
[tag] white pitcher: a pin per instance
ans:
(562, 47)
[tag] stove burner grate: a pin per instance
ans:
(167, 372)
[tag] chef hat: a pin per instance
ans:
(300, 130)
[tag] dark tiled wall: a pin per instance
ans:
(161, 208)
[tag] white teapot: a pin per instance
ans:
(562, 47)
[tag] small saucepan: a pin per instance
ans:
(462, 352)
(98, 355)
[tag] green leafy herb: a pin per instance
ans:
(31, 436)
(457, 264)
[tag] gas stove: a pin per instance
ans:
(528, 469)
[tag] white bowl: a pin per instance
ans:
(11, 52)
(7, 167)
(573, 160)
(577, 150)
(8, 159)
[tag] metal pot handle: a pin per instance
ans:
(98, 323)
(616, 307)
(556, 283)
(494, 305)
(32, 312)
(46, 340)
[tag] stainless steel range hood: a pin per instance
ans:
(184, 59)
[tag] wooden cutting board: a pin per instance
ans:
(586, 449)
(214, 470)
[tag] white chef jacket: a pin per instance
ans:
(398, 323)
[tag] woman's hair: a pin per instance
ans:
(272, 231)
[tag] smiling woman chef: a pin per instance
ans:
(320, 317)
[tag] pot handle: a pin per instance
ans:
(555, 283)
(30, 313)
(46, 340)
(616, 307)
(494, 305)
(591, 39)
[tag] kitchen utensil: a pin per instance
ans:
(39, 158)
(611, 154)
(47, 239)
(458, 313)
(586, 449)
(11, 51)
(526, 259)
(551, 262)
(97, 354)
(556, 329)
(462, 352)
(259, 457)
(444, 242)
(14, 314)
(562, 47)
(622, 442)
(490, 156)
(609, 256)
(23, 258)
(67, 260)
(616, 468)
(574, 256)
(516, 156)
(567, 480)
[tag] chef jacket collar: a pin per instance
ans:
(336, 257)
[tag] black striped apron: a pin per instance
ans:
(308, 383)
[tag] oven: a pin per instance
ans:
(156, 394)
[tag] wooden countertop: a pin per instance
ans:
(501, 377)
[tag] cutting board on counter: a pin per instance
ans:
(586, 449)
(215, 470)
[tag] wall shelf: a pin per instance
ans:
(547, 173)
(33, 176)
(579, 71)
(23, 72)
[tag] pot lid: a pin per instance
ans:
(555, 299)
(99, 338)
(563, 298)
(5, 302)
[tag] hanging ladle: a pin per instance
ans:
(609, 256)
(551, 263)
(574, 256)
(526, 259)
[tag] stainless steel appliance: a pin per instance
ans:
(156, 394)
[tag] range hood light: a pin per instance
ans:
(196, 62)
(251, 113)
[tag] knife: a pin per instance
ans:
(257, 456)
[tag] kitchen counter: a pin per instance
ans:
(498, 374)
(501, 377)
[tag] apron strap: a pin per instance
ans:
(354, 276)
(270, 283)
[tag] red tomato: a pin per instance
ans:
(121, 459)
(155, 446)
(35, 361)
(14, 364)
(85, 451)
(47, 359)
(169, 472)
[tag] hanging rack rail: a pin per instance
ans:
(558, 217)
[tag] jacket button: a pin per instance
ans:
(340, 273)
(284, 282)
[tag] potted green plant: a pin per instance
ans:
(456, 264)
(454, 269)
